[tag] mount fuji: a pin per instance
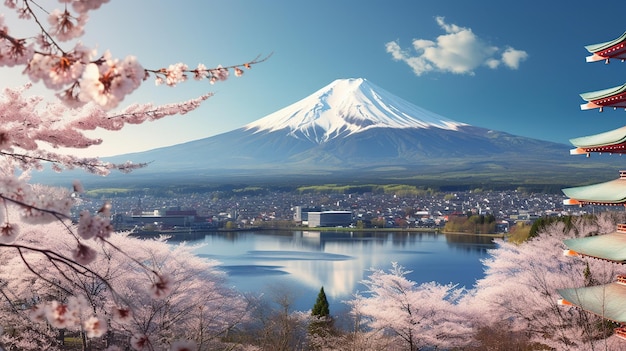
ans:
(347, 107)
(352, 129)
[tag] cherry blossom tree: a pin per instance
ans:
(88, 281)
(359, 337)
(517, 299)
(112, 299)
(420, 316)
(273, 324)
(519, 294)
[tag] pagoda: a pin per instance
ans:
(612, 97)
(613, 141)
(606, 51)
(609, 300)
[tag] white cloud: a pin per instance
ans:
(512, 57)
(458, 51)
(492, 63)
(449, 28)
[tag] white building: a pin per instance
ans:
(330, 219)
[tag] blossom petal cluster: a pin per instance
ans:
(79, 74)
(28, 122)
(70, 315)
(33, 208)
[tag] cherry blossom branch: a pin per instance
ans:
(177, 73)
(7, 299)
(30, 207)
(45, 35)
(88, 85)
(59, 162)
(19, 249)
(79, 74)
(25, 123)
(89, 227)
(57, 258)
(134, 114)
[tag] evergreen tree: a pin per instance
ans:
(321, 325)
(321, 307)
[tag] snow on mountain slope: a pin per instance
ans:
(345, 107)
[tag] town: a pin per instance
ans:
(222, 210)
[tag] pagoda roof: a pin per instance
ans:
(610, 49)
(593, 48)
(610, 247)
(604, 93)
(612, 192)
(606, 301)
(616, 136)
(610, 97)
(611, 141)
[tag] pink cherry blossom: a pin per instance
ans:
(64, 26)
(95, 327)
(122, 315)
(201, 72)
(85, 5)
(161, 287)
(175, 74)
(8, 233)
(108, 83)
(37, 313)
(217, 74)
(59, 315)
(139, 342)
(98, 226)
(83, 254)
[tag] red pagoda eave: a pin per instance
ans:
(615, 149)
(596, 57)
(617, 51)
(573, 202)
(616, 101)
(573, 253)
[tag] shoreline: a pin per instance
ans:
(189, 231)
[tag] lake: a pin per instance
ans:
(298, 263)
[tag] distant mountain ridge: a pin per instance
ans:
(344, 125)
(352, 129)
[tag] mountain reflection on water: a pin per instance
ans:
(298, 263)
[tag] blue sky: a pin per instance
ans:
(315, 42)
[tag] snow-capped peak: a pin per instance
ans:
(348, 106)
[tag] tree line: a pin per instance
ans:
(472, 224)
